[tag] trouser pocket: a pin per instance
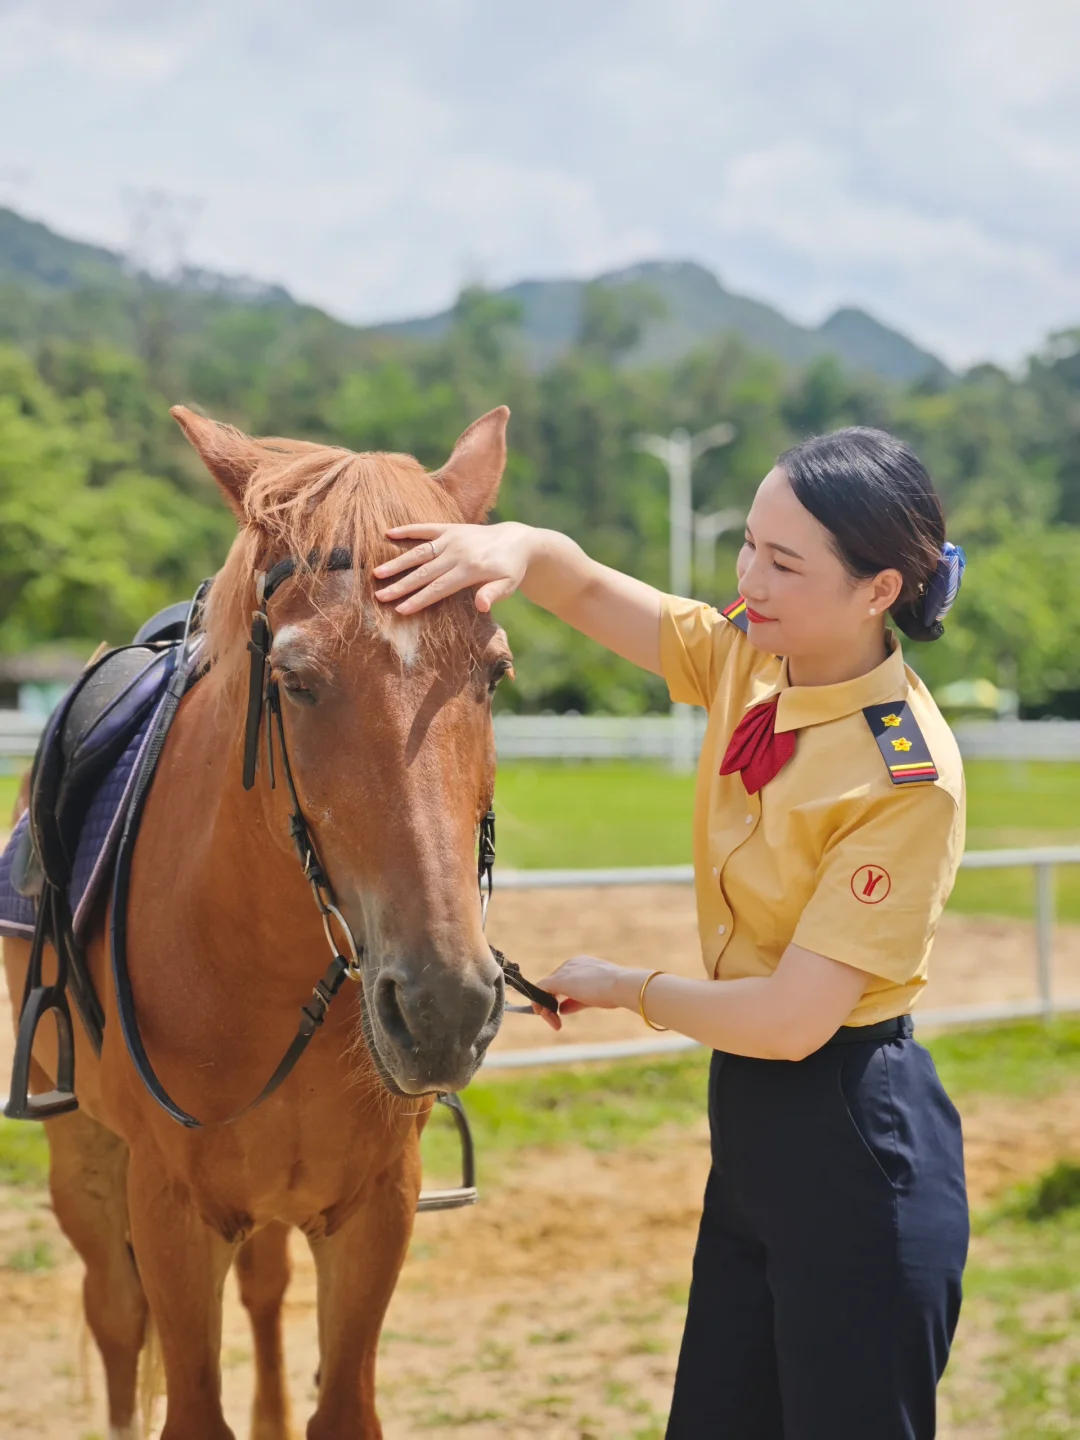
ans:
(865, 1086)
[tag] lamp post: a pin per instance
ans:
(678, 452)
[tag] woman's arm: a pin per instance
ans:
(784, 1016)
(620, 612)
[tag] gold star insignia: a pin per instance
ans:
(891, 720)
(901, 743)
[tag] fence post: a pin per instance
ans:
(1044, 935)
(683, 753)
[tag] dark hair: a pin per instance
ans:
(873, 495)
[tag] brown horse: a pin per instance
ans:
(389, 734)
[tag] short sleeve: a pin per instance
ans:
(695, 641)
(883, 882)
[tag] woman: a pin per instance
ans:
(828, 827)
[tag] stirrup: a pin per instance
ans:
(466, 1193)
(59, 1101)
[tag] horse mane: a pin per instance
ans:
(303, 499)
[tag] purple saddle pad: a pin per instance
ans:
(94, 852)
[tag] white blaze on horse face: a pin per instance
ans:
(288, 635)
(403, 633)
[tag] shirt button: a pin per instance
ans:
(749, 819)
(721, 929)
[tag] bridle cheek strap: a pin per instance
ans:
(259, 646)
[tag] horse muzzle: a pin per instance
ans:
(431, 1024)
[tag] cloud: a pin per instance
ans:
(799, 206)
(920, 160)
(33, 35)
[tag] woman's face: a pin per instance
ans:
(799, 598)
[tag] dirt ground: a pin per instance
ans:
(554, 1308)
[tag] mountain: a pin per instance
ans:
(33, 255)
(697, 308)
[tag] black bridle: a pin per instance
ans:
(264, 700)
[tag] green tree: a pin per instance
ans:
(89, 543)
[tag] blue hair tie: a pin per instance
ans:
(945, 586)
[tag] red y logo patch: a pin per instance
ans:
(870, 884)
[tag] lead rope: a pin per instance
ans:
(485, 874)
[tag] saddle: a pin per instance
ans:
(62, 848)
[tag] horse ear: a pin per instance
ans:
(474, 470)
(229, 454)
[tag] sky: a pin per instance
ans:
(919, 159)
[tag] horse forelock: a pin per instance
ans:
(307, 500)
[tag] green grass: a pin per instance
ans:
(626, 813)
(1024, 1060)
(611, 1106)
(1022, 1292)
(606, 1107)
(9, 785)
(581, 816)
(24, 1153)
(554, 815)
(38, 1256)
(595, 814)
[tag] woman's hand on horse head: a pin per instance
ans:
(492, 559)
(587, 983)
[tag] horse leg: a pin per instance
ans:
(88, 1180)
(262, 1269)
(357, 1267)
(183, 1263)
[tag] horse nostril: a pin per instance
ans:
(498, 1000)
(391, 1015)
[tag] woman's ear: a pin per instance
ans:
(474, 470)
(885, 590)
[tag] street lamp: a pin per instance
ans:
(678, 452)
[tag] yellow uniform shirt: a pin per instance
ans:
(830, 854)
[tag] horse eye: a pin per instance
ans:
(500, 668)
(294, 687)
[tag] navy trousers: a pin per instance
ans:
(826, 1282)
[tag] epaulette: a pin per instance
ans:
(736, 613)
(903, 747)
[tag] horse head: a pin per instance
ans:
(386, 721)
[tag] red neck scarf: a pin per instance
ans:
(756, 749)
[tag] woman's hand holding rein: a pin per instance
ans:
(620, 612)
(783, 1016)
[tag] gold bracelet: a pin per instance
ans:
(641, 1001)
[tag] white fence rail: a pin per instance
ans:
(1044, 1005)
(1044, 860)
(671, 738)
(674, 738)
(18, 735)
(677, 738)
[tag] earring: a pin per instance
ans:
(872, 610)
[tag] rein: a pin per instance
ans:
(264, 699)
